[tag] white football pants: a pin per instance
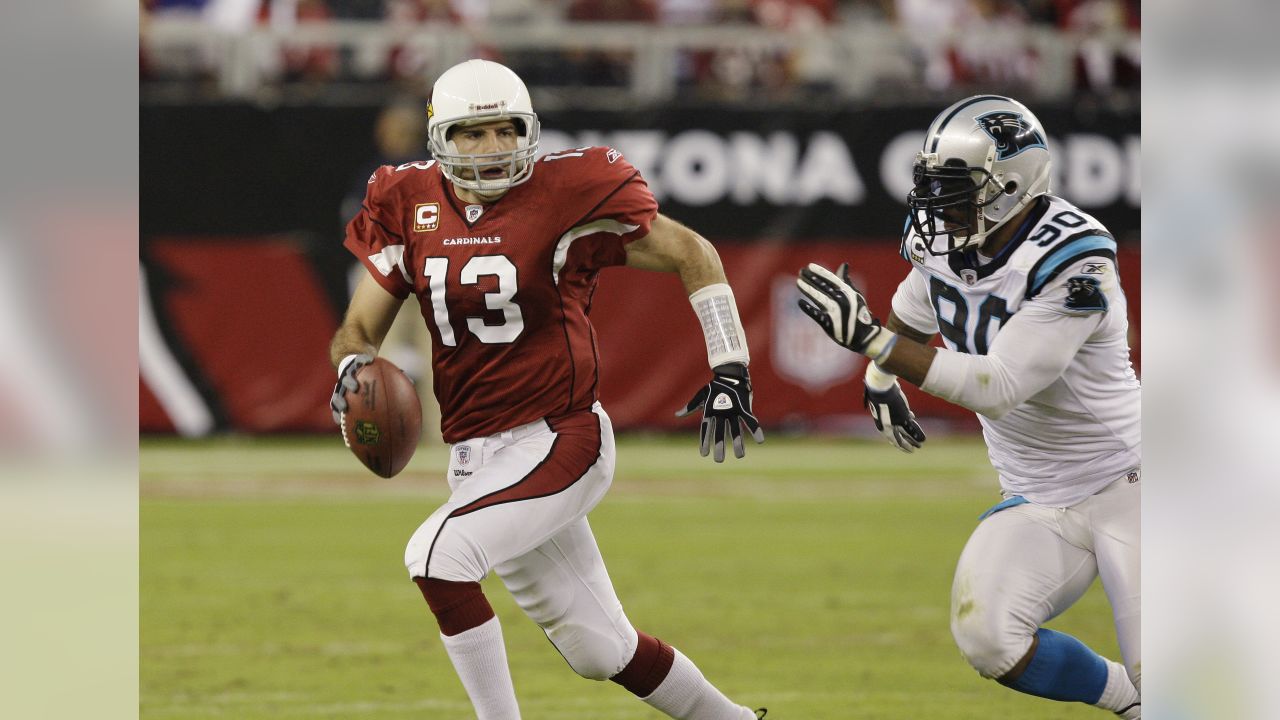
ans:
(1025, 565)
(519, 506)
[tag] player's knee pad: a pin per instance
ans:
(595, 653)
(990, 650)
(442, 550)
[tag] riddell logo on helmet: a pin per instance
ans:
(488, 106)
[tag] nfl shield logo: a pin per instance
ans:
(969, 276)
(801, 352)
(463, 452)
(367, 433)
(473, 212)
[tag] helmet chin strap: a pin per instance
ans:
(493, 194)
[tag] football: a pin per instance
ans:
(383, 421)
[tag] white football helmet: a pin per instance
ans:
(983, 157)
(480, 91)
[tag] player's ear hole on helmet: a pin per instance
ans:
(1010, 187)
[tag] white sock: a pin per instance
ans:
(480, 659)
(686, 695)
(1119, 692)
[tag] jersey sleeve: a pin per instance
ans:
(912, 306)
(1080, 288)
(1032, 350)
(373, 238)
(1076, 274)
(610, 206)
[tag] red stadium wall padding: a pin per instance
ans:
(253, 316)
(151, 414)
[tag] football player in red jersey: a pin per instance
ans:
(503, 251)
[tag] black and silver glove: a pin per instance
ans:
(346, 383)
(893, 416)
(836, 305)
(725, 402)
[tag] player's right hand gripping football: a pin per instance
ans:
(725, 402)
(892, 414)
(836, 305)
(346, 383)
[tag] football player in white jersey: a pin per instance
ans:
(1022, 285)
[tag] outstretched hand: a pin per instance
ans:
(726, 405)
(832, 301)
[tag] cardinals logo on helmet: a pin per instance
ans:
(1011, 132)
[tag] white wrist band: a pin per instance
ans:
(878, 379)
(721, 327)
(881, 345)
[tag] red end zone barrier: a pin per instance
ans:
(247, 325)
(247, 321)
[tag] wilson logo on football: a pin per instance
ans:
(426, 217)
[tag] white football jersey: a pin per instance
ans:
(1082, 431)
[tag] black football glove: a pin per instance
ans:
(835, 304)
(893, 417)
(346, 383)
(725, 402)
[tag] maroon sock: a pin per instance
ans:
(458, 606)
(648, 667)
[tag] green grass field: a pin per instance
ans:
(812, 578)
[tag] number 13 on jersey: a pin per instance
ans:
(436, 270)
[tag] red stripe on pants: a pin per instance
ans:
(573, 452)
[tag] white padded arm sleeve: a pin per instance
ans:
(1028, 354)
(717, 312)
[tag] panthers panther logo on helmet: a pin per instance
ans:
(1011, 133)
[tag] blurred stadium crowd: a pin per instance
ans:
(764, 51)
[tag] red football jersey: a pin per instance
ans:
(505, 288)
